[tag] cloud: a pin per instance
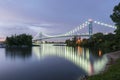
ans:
(8, 29)
(38, 29)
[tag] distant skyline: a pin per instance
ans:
(51, 16)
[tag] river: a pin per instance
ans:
(49, 62)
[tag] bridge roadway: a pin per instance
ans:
(85, 35)
(88, 23)
(82, 60)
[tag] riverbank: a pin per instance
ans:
(112, 70)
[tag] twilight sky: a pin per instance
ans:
(52, 16)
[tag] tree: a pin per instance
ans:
(19, 40)
(116, 19)
(68, 42)
(74, 40)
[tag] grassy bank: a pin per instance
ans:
(113, 73)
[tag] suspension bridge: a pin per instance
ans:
(72, 33)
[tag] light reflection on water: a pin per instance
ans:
(81, 57)
(49, 62)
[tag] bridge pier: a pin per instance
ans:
(90, 27)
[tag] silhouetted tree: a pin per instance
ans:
(19, 40)
(116, 19)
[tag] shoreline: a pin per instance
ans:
(112, 57)
(111, 70)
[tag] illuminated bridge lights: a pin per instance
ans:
(73, 31)
(104, 24)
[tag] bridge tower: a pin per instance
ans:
(90, 27)
(40, 35)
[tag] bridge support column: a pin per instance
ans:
(40, 35)
(90, 27)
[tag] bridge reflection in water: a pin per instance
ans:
(81, 57)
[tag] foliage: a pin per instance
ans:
(71, 42)
(106, 43)
(19, 40)
(103, 42)
(116, 19)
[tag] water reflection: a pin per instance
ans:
(80, 50)
(100, 53)
(81, 57)
(18, 52)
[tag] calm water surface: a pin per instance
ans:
(49, 62)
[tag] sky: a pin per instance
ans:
(52, 16)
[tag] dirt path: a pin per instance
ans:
(112, 57)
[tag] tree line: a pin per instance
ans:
(19, 40)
